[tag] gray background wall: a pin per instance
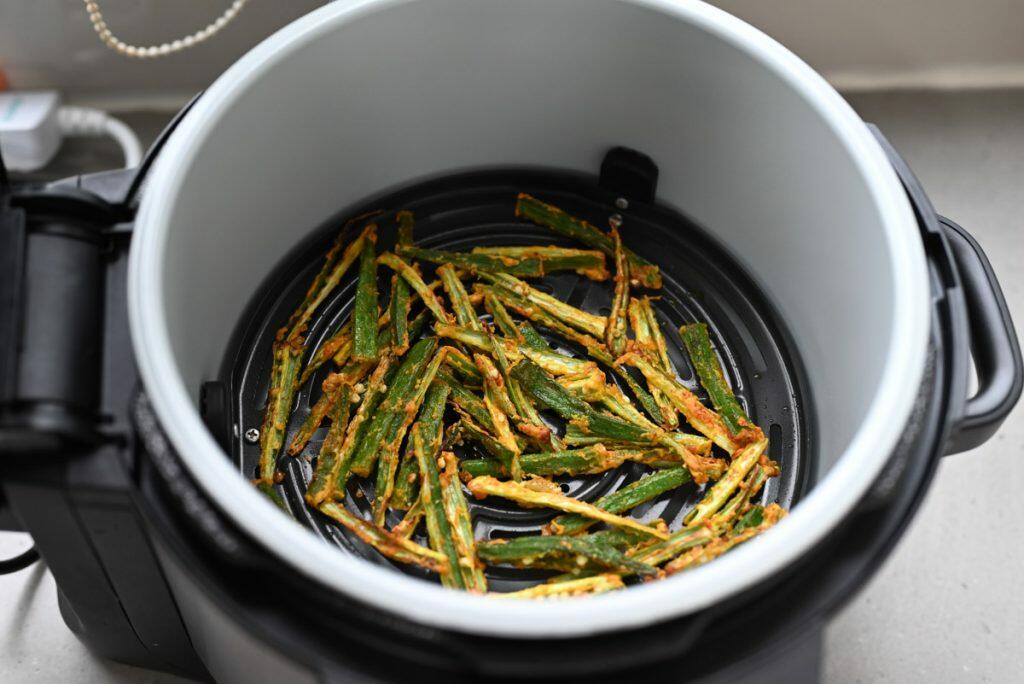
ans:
(859, 44)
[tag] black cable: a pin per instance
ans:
(19, 562)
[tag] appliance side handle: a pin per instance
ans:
(981, 329)
(994, 345)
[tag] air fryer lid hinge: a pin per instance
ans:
(52, 278)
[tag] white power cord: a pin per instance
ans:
(85, 121)
(164, 49)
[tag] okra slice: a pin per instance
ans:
(364, 314)
(681, 541)
(755, 522)
(709, 370)
(406, 223)
(585, 461)
(529, 421)
(389, 545)
(615, 329)
(464, 366)
(406, 489)
(589, 263)
(589, 323)
(574, 587)
(322, 483)
(548, 359)
(326, 280)
(715, 498)
(399, 392)
(457, 295)
(470, 429)
(438, 529)
(330, 388)
(524, 266)
(524, 551)
(739, 504)
(284, 382)
(502, 319)
(576, 437)
(630, 496)
(644, 272)
(457, 511)
(649, 337)
(488, 486)
(499, 406)
(412, 276)
(407, 526)
(399, 308)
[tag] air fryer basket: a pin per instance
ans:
(457, 212)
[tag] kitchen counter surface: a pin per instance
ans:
(946, 606)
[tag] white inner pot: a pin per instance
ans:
(360, 97)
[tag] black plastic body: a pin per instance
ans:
(97, 511)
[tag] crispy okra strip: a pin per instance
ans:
(550, 394)
(331, 389)
(431, 414)
(338, 343)
(333, 481)
(529, 421)
(703, 419)
(595, 349)
(683, 540)
(322, 483)
(364, 313)
(524, 551)
(469, 428)
(326, 280)
(284, 382)
(649, 337)
(558, 221)
(709, 371)
(457, 295)
(532, 338)
(592, 324)
(585, 461)
(406, 223)
(388, 544)
(597, 584)
(412, 276)
(739, 504)
(499, 407)
(591, 261)
(464, 366)
(547, 358)
(716, 497)
(527, 266)
(438, 529)
(757, 520)
(387, 459)
(502, 319)
(488, 486)
(457, 511)
(576, 437)
(391, 409)
(399, 307)
(630, 496)
(410, 521)
(615, 329)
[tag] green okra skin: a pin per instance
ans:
(716, 497)
(529, 421)
(461, 523)
(590, 262)
(502, 318)
(757, 520)
(598, 584)
(709, 371)
(322, 483)
(591, 324)
(547, 358)
(438, 529)
(406, 224)
(464, 366)
(683, 540)
(401, 485)
(489, 486)
(364, 313)
(466, 401)
(615, 329)
(415, 280)
(525, 266)
(739, 503)
(410, 521)
(631, 496)
(357, 427)
(330, 388)
(648, 336)
(585, 461)
(490, 444)
(556, 220)
(405, 413)
(576, 437)
(326, 280)
(532, 338)
(399, 308)
(338, 343)
(388, 544)
(523, 551)
(398, 393)
(459, 298)
(284, 382)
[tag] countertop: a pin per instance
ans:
(946, 606)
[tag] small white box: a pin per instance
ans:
(29, 134)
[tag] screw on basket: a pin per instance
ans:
(252, 435)
(622, 203)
